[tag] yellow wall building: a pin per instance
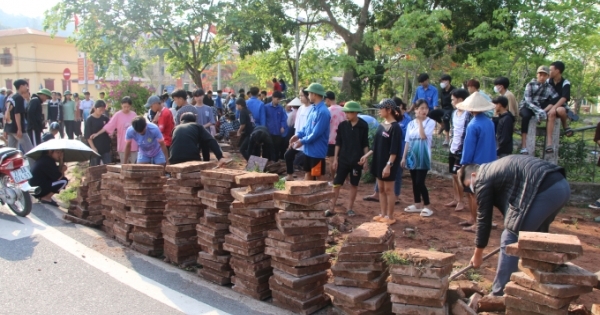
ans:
(42, 60)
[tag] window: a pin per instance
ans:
(6, 58)
(9, 85)
(49, 84)
(65, 85)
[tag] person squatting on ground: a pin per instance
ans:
(417, 157)
(191, 139)
(48, 176)
(529, 192)
(386, 158)
(101, 144)
(151, 144)
(54, 129)
(314, 136)
(480, 143)
(459, 122)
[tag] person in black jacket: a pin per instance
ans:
(505, 124)
(49, 176)
(189, 139)
(35, 116)
(55, 112)
(259, 143)
(529, 192)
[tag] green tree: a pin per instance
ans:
(113, 31)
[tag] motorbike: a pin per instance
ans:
(14, 181)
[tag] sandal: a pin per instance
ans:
(370, 198)
(524, 151)
(426, 212)
(412, 209)
(472, 228)
(388, 221)
(51, 202)
(451, 204)
(378, 218)
(465, 223)
(350, 213)
(569, 132)
(457, 209)
(549, 149)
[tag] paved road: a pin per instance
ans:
(51, 266)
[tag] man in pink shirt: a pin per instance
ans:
(337, 116)
(120, 121)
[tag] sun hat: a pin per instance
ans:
(476, 103)
(152, 100)
(295, 102)
(543, 69)
(316, 88)
(67, 92)
(45, 92)
(387, 103)
(352, 107)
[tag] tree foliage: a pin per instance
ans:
(114, 31)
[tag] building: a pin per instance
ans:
(43, 61)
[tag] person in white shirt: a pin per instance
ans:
(86, 105)
(301, 116)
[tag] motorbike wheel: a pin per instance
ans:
(22, 206)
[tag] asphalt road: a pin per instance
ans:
(52, 266)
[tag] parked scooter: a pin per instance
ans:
(14, 181)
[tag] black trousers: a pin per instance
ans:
(290, 156)
(36, 137)
(277, 147)
(70, 128)
(526, 115)
(419, 189)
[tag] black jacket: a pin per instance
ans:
(260, 137)
(504, 133)
(35, 116)
(54, 110)
(510, 184)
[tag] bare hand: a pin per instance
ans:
(19, 134)
(221, 163)
(92, 136)
(334, 165)
(476, 260)
(403, 163)
(386, 171)
(296, 144)
(548, 108)
(64, 168)
(282, 130)
(363, 160)
(293, 139)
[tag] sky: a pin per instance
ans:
(29, 8)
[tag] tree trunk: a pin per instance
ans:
(196, 77)
(349, 73)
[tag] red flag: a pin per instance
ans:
(212, 29)
(76, 22)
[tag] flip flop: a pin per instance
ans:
(51, 202)
(464, 223)
(549, 149)
(412, 209)
(569, 132)
(369, 198)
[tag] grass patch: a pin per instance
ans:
(391, 257)
(280, 184)
(74, 182)
(332, 250)
(473, 275)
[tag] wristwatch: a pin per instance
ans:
(389, 163)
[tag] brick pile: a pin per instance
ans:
(297, 247)
(419, 282)
(145, 197)
(115, 208)
(252, 216)
(213, 227)
(548, 282)
(88, 204)
(183, 211)
(360, 273)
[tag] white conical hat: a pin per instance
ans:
(476, 103)
(295, 102)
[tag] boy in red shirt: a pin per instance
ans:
(163, 118)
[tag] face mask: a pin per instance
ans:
(496, 89)
(443, 85)
(472, 184)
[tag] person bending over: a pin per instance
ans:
(150, 141)
(189, 139)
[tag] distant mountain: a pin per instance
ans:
(8, 20)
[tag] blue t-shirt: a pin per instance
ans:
(148, 142)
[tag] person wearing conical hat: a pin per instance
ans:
(479, 145)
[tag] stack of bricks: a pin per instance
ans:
(145, 197)
(213, 227)
(360, 273)
(234, 141)
(548, 283)
(297, 247)
(183, 212)
(113, 198)
(113, 148)
(252, 216)
(88, 204)
(419, 282)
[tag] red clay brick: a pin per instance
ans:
(367, 284)
(421, 282)
(305, 187)
(189, 167)
(305, 262)
(513, 302)
(358, 275)
(370, 233)
(536, 297)
(406, 309)
(561, 243)
(255, 178)
(413, 300)
(303, 199)
(539, 265)
(566, 274)
(412, 271)
(286, 206)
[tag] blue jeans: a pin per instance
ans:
(542, 212)
(158, 159)
(397, 183)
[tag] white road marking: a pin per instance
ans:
(11, 231)
(121, 273)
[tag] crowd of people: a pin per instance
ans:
(336, 142)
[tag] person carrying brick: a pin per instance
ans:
(150, 141)
(351, 147)
(529, 192)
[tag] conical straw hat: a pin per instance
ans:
(476, 103)
(295, 102)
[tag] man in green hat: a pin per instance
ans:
(351, 145)
(35, 116)
(314, 136)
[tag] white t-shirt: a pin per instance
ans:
(412, 131)
(301, 118)
(85, 104)
(458, 129)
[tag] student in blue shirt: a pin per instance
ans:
(426, 91)
(314, 136)
(276, 124)
(219, 102)
(256, 107)
(150, 141)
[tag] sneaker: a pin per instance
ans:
(328, 213)
(595, 205)
(350, 213)
(445, 143)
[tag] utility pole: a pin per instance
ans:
(219, 74)
(297, 54)
(85, 71)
